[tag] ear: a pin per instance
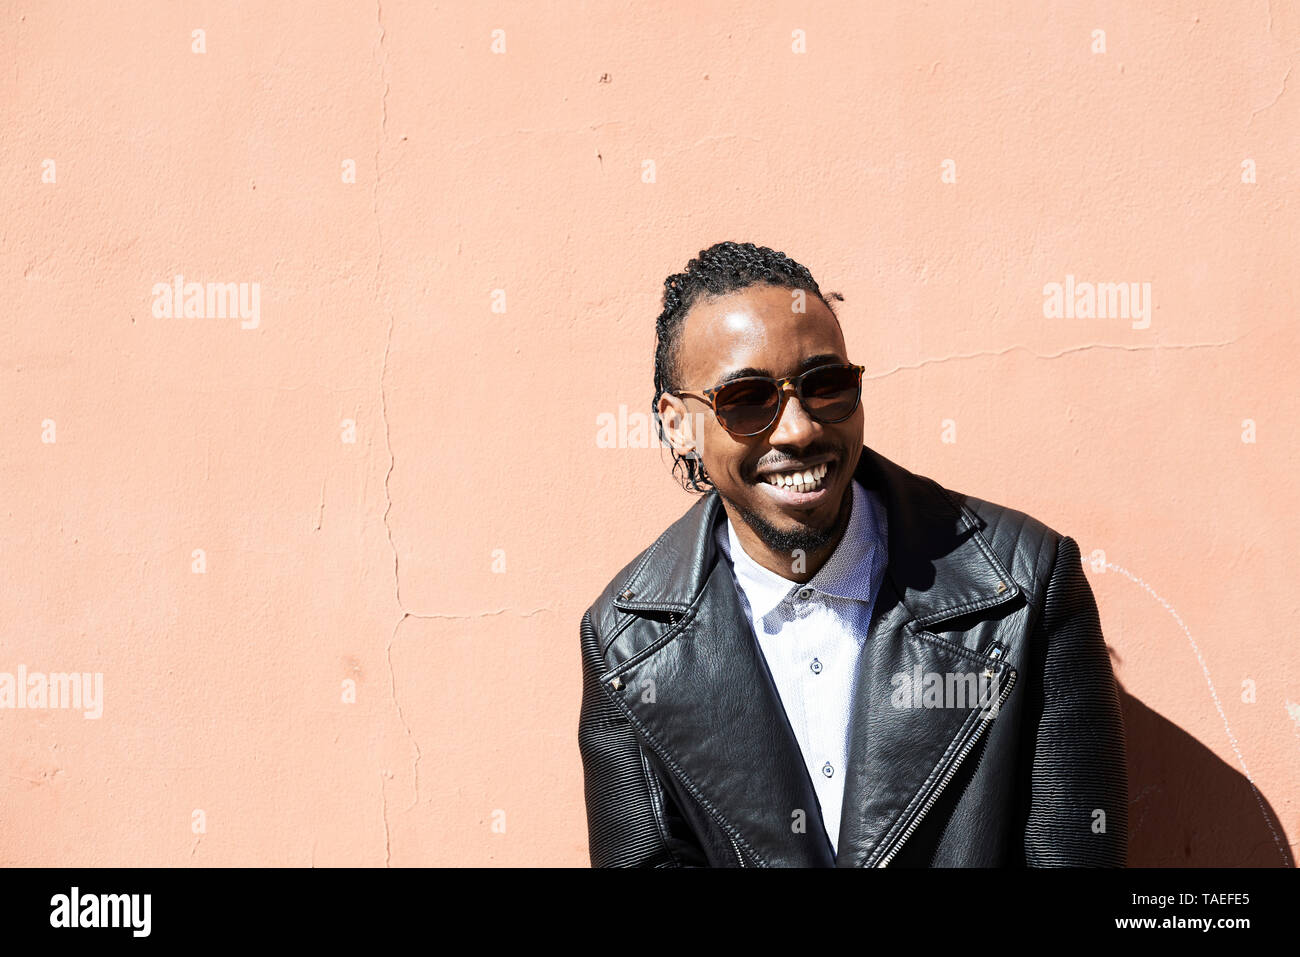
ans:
(677, 424)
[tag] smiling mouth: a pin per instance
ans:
(805, 480)
(799, 489)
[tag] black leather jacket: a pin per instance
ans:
(689, 759)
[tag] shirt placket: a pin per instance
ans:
(816, 664)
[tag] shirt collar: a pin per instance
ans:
(851, 571)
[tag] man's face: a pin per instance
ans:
(756, 332)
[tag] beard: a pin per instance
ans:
(807, 538)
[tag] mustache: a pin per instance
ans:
(835, 451)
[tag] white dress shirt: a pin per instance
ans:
(811, 636)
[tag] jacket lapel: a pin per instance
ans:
(940, 566)
(716, 720)
(716, 717)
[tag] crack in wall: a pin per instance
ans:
(1273, 102)
(380, 296)
(392, 693)
(392, 684)
(383, 801)
(476, 614)
(1053, 355)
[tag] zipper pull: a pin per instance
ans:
(996, 654)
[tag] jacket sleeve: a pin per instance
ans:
(1078, 795)
(624, 802)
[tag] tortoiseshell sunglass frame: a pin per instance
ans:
(711, 395)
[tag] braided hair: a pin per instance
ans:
(721, 269)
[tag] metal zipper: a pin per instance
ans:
(995, 653)
(736, 847)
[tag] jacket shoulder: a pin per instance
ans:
(1025, 545)
(673, 546)
(605, 617)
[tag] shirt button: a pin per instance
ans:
(827, 769)
(816, 667)
(805, 592)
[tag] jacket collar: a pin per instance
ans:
(717, 721)
(939, 562)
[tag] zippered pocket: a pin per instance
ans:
(995, 654)
(975, 732)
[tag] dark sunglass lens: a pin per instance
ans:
(747, 407)
(831, 394)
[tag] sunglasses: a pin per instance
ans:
(752, 404)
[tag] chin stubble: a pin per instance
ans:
(806, 538)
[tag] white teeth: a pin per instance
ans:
(805, 481)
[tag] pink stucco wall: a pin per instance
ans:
(392, 475)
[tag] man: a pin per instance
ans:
(829, 660)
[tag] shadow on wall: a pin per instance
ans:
(1188, 807)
